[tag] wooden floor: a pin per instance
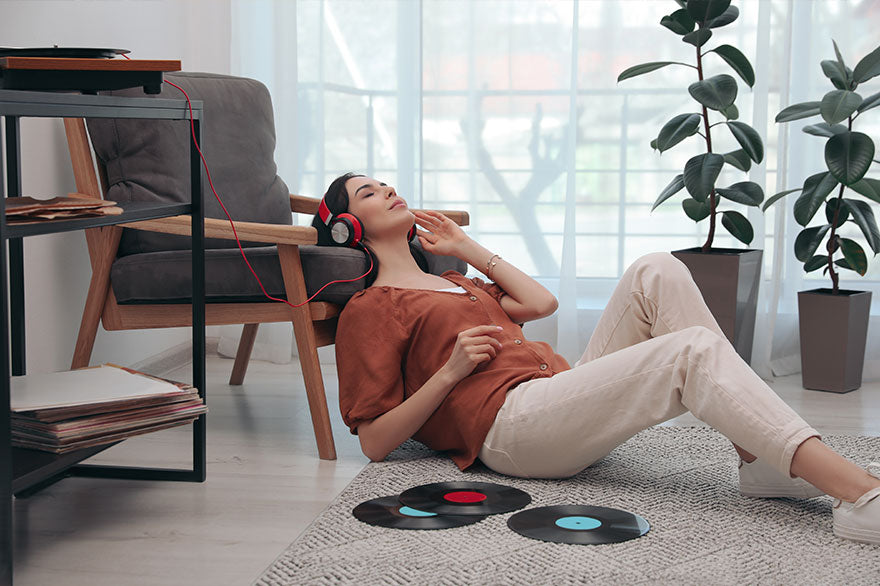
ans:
(265, 485)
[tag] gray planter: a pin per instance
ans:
(728, 278)
(833, 329)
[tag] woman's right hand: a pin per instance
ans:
(472, 347)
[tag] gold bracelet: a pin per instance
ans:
(491, 265)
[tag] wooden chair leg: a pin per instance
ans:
(88, 331)
(306, 345)
(308, 358)
(105, 242)
(243, 356)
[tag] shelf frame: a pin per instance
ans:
(23, 471)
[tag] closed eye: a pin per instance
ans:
(367, 194)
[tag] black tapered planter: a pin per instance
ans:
(834, 330)
(728, 278)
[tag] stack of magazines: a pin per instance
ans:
(66, 411)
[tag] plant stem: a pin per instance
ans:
(711, 236)
(831, 237)
(831, 240)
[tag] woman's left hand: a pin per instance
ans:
(440, 235)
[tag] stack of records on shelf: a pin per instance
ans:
(66, 411)
(25, 210)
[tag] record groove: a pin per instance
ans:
(388, 511)
(579, 524)
(465, 498)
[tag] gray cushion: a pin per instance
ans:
(165, 277)
(148, 160)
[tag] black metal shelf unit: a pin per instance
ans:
(24, 470)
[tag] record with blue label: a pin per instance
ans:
(578, 524)
(465, 498)
(388, 511)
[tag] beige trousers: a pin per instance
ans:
(656, 353)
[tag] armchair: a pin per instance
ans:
(141, 271)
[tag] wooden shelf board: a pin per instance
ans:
(64, 64)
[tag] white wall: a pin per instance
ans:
(57, 266)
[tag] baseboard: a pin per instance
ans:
(173, 358)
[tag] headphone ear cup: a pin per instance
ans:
(340, 231)
(411, 235)
(347, 230)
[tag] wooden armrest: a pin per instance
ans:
(303, 204)
(459, 217)
(217, 228)
(309, 205)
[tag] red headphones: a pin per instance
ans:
(346, 229)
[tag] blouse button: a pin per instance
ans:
(473, 298)
(543, 367)
(517, 341)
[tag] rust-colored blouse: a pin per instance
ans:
(391, 340)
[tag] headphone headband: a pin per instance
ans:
(324, 212)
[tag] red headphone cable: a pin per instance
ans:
(232, 224)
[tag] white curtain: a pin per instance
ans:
(511, 110)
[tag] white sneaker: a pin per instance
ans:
(758, 479)
(860, 521)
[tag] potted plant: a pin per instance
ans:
(834, 322)
(728, 278)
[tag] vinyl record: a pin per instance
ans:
(465, 498)
(578, 524)
(66, 52)
(387, 511)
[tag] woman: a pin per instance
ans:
(443, 359)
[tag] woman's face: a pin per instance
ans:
(383, 212)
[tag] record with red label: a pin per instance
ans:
(388, 511)
(465, 498)
(579, 524)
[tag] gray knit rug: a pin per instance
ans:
(683, 480)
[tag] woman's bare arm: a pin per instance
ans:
(525, 298)
(380, 436)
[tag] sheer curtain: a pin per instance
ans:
(511, 110)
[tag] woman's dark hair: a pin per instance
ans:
(336, 199)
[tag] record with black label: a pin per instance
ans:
(578, 524)
(62, 52)
(388, 511)
(465, 498)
